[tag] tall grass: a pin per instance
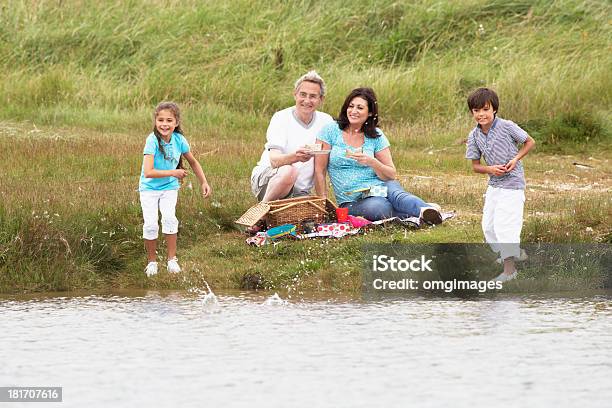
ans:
(544, 57)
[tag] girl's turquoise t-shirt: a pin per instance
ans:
(347, 174)
(174, 149)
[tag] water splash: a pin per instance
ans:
(210, 303)
(275, 300)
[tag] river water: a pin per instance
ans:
(177, 349)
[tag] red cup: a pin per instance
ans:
(342, 214)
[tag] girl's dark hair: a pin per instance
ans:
(172, 107)
(480, 97)
(369, 127)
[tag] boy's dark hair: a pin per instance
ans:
(480, 97)
(369, 127)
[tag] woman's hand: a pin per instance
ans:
(206, 190)
(362, 158)
(382, 164)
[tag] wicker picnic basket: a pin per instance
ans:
(295, 210)
(290, 211)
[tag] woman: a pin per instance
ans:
(360, 158)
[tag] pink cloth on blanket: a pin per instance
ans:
(358, 222)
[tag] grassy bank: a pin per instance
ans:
(72, 220)
(81, 78)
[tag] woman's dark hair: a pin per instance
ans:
(480, 97)
(172, 107)
(369, 127)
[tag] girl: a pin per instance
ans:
(159, 182)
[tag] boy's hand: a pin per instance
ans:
(206, 190)
(497, 170)
(179, 173)
(511, 165)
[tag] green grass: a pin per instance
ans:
(545, 58)
(80, 80)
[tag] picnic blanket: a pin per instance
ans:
(354, 226)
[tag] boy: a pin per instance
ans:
(496, 140)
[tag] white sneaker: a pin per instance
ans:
(410, 222)
(504, 277)
(522, 257)
(151, 269)
(431, 215)
(173, 266)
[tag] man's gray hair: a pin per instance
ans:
(311, 76)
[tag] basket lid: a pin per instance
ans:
(253, 214)
(293, 200)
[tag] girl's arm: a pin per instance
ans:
(151, 172)
(381, 163)
(197, 169)
(320, 170)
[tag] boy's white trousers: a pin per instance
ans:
(502, 220)
(154, 202)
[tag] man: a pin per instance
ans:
(286, 167)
